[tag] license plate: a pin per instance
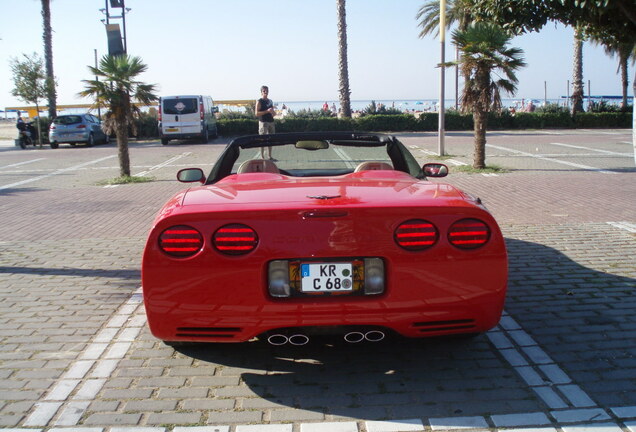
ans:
(172, 129)
(326, 277)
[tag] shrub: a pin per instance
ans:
(603, 120)
(602, 107)
(552, 108)
(388, 123)
(248, 113)
(237, 127)
(147, 125)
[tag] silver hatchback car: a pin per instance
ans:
(76, 128)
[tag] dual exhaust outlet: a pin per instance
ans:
(300, 339)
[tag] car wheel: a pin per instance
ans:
(54, 144)
(91, 141)
(165, 141)
(206, 136)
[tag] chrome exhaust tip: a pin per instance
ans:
(374, 336)
(277, 339)
(354, 337)
(299, 339)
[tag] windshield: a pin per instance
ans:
(337, 159)
(180, 106)
(67, 120)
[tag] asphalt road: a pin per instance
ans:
(75, 353)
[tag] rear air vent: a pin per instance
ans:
(436, 326)
(208, 332)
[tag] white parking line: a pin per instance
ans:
(57, 172)
(624, 225)
(163, 164)
(22, 163)
(457, 163)
(345, 157)
(557, 161)
(592, 149)
(116, 334)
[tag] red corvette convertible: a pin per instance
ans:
(339, 234)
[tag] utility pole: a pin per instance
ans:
(442, 68)
(99, 110)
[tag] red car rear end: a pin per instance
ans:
(362, 254)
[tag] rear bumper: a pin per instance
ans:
(174, 136)
(216, 321)
(69, 138)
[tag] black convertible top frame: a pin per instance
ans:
(395, 148)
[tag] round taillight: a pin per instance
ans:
(416, 235)
(181, 241)
(469, 234)
(235, 239)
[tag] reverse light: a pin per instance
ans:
(235, 239)
(373, 276)
(416, 235)
(278, 277)
(469, 234)
(181, 241)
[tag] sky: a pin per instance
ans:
(228, 49)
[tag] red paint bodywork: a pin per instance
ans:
(220, 298)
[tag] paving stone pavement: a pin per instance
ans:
(75, 353)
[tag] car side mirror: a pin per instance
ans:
(191, 175)
(435, 170)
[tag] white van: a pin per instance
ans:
(185, 117)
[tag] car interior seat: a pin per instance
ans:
(258, 165)
(372, 166)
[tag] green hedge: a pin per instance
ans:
(454, 121)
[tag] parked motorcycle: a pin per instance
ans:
(28, 135)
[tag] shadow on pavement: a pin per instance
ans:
(69, 271)
(449, 376)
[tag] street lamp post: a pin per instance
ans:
(442, 68)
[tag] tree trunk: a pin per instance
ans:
(577, 73)
(122, 149)
(37, 107)
(480, 120)
(343, 66)
(634, 116)
(624, 58)
(48, 59)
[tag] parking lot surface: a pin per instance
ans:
(76, 355)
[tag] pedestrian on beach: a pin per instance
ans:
(265, 112)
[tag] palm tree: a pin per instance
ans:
(577, 72)
(457, 12)
(116, 88)
(484, 55)
(48, 59)
(343, 63)
(624, 51)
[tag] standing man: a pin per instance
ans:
(265, 112)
